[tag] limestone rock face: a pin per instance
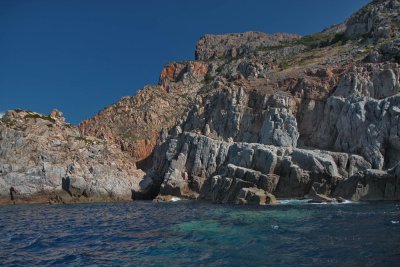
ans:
(41, 154)
(196, 166)
(282, 114)
(375, 21)
(253, 117)
(376, 81)
(245, 117)
(359, 125)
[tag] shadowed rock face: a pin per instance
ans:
(371, 185)
(258, 115)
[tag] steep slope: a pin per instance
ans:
(134, 123)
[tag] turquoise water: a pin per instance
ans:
(189, 233)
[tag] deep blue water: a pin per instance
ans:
(189, 233)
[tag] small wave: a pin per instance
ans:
(292, 201)
(310, 201)
(395, 222)
(333, 202)
(319, 203)
(344, 202)
(174, 199)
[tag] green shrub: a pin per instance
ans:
(319, 40)
(85, 139)
(39, 116)
(219, 69)
(208, 78)
(284, 65)
(272, 47)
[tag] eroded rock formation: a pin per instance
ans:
(43, 157)
(254, 117)
(311, 116)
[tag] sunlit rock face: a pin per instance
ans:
(292, 116)
(253, 117)
(43, 156)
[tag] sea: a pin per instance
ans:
(190, 233)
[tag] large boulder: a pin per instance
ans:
(255, 196)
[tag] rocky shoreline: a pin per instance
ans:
(57, 197)
(254, 118)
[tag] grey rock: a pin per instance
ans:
(370, 80)
(319, 198)
(233, 45)
(42, 154)
(373, 21)
(371, 185)
(362, 126)
(196, 166)
(255, 196)
(245, 117)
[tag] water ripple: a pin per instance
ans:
(192, 234)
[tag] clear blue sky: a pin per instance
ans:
(82, 55)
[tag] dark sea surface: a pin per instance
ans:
(187, 233)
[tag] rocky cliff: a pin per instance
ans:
(256, 116)
(134, 123)
(45, 159)
(290, 116)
